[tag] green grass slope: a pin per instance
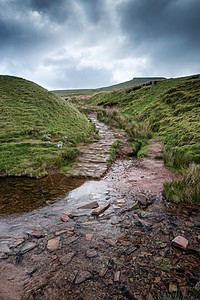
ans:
(32, 122)
(132, 82)
(170, 109)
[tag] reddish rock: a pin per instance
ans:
(65, 218)
(36, 234)
(91, 205)
(180, 242)
(65, 259)
(100, 209)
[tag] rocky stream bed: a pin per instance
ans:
(98, 239)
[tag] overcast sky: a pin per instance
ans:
(62, 44)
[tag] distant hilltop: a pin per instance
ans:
(133, 82)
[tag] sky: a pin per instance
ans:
(66, 44)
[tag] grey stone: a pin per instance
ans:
(82, 276)
(100, 209)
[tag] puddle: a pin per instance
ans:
(19, 195)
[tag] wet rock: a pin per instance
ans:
(122, 201)
(53, 244)
(64, 231)
(143, 199)
(82, 276)
(91, 253)
(27, 247)
(117, 276)
(103, 271)
(65, 218)
(65, 259)
(100, 209)
(180, 242)
(90, 205)
(36, 234)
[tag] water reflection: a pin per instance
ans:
(19, 195)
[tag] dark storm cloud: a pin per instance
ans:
(162, 26)
(57, 11)
(98, 42)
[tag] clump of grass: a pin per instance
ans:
(186, 189)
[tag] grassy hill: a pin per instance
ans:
(133, 82)
(169, 109)
(32, 122)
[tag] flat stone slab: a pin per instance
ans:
(53, 244)
(91, 205)
(100, 209)
(180, 242)
(28, 247)
(65, 259)
(82, 276)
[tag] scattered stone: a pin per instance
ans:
(90, 205)
(121, 201)
(53, 244)
(117, 276)
(180, 242)
(65, 218)
(143, 199)
(36, 234)
(91, 253)
(116, 206)
(103, 271)
(17, 243)
(65, 259)
(172, 287)
(82, 276)
(27, 247)
(100, 209)
(89, 236)
(71, 240)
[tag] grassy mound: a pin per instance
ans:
(169, 108)
(33, 121)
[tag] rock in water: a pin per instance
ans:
(65, 218)
(100, 209)
(180, 242)
(53, 244)
(91, 205)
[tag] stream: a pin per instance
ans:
(62, 251)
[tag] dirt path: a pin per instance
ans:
(124, 253)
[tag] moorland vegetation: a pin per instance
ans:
(167, 109)
(33, 123)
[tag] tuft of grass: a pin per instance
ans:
(31, 115)
(186, 189)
